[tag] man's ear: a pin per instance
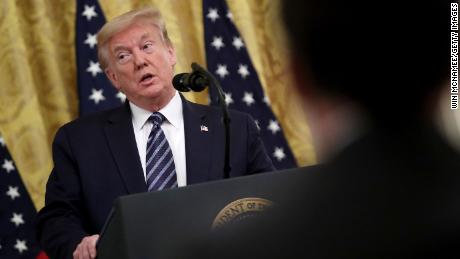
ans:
(112, 77)
(171, 55)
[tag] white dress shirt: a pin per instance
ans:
(173, 128)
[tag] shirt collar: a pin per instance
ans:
(172, 112)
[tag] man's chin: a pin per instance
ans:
(154, 96)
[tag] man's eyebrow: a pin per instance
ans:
(119, 48)
(145, 35)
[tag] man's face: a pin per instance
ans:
(141, 65)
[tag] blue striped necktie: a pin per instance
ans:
(160, 168)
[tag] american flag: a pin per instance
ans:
(229, 61)
(17, 233)
(95, 91)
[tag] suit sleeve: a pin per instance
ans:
(60, 225)
(258, 159)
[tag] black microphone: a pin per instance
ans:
(194, 81)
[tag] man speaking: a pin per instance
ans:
(156, 141)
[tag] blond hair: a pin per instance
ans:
(119, 23)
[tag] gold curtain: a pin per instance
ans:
(38, 71)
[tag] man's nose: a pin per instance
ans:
(139, 59)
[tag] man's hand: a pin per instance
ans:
(87, 248)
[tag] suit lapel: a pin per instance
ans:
(121, 140)
(198, 135)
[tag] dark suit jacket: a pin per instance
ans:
(393, 193)
(96, 160)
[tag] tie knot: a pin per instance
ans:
(156, 118)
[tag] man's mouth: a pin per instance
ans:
(147, 78)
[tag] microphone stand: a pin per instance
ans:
(226, 117)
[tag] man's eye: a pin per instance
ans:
(148, 47)
(122, 57)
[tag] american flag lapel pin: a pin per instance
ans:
(203, 128)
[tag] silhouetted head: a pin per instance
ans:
(389, 58)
